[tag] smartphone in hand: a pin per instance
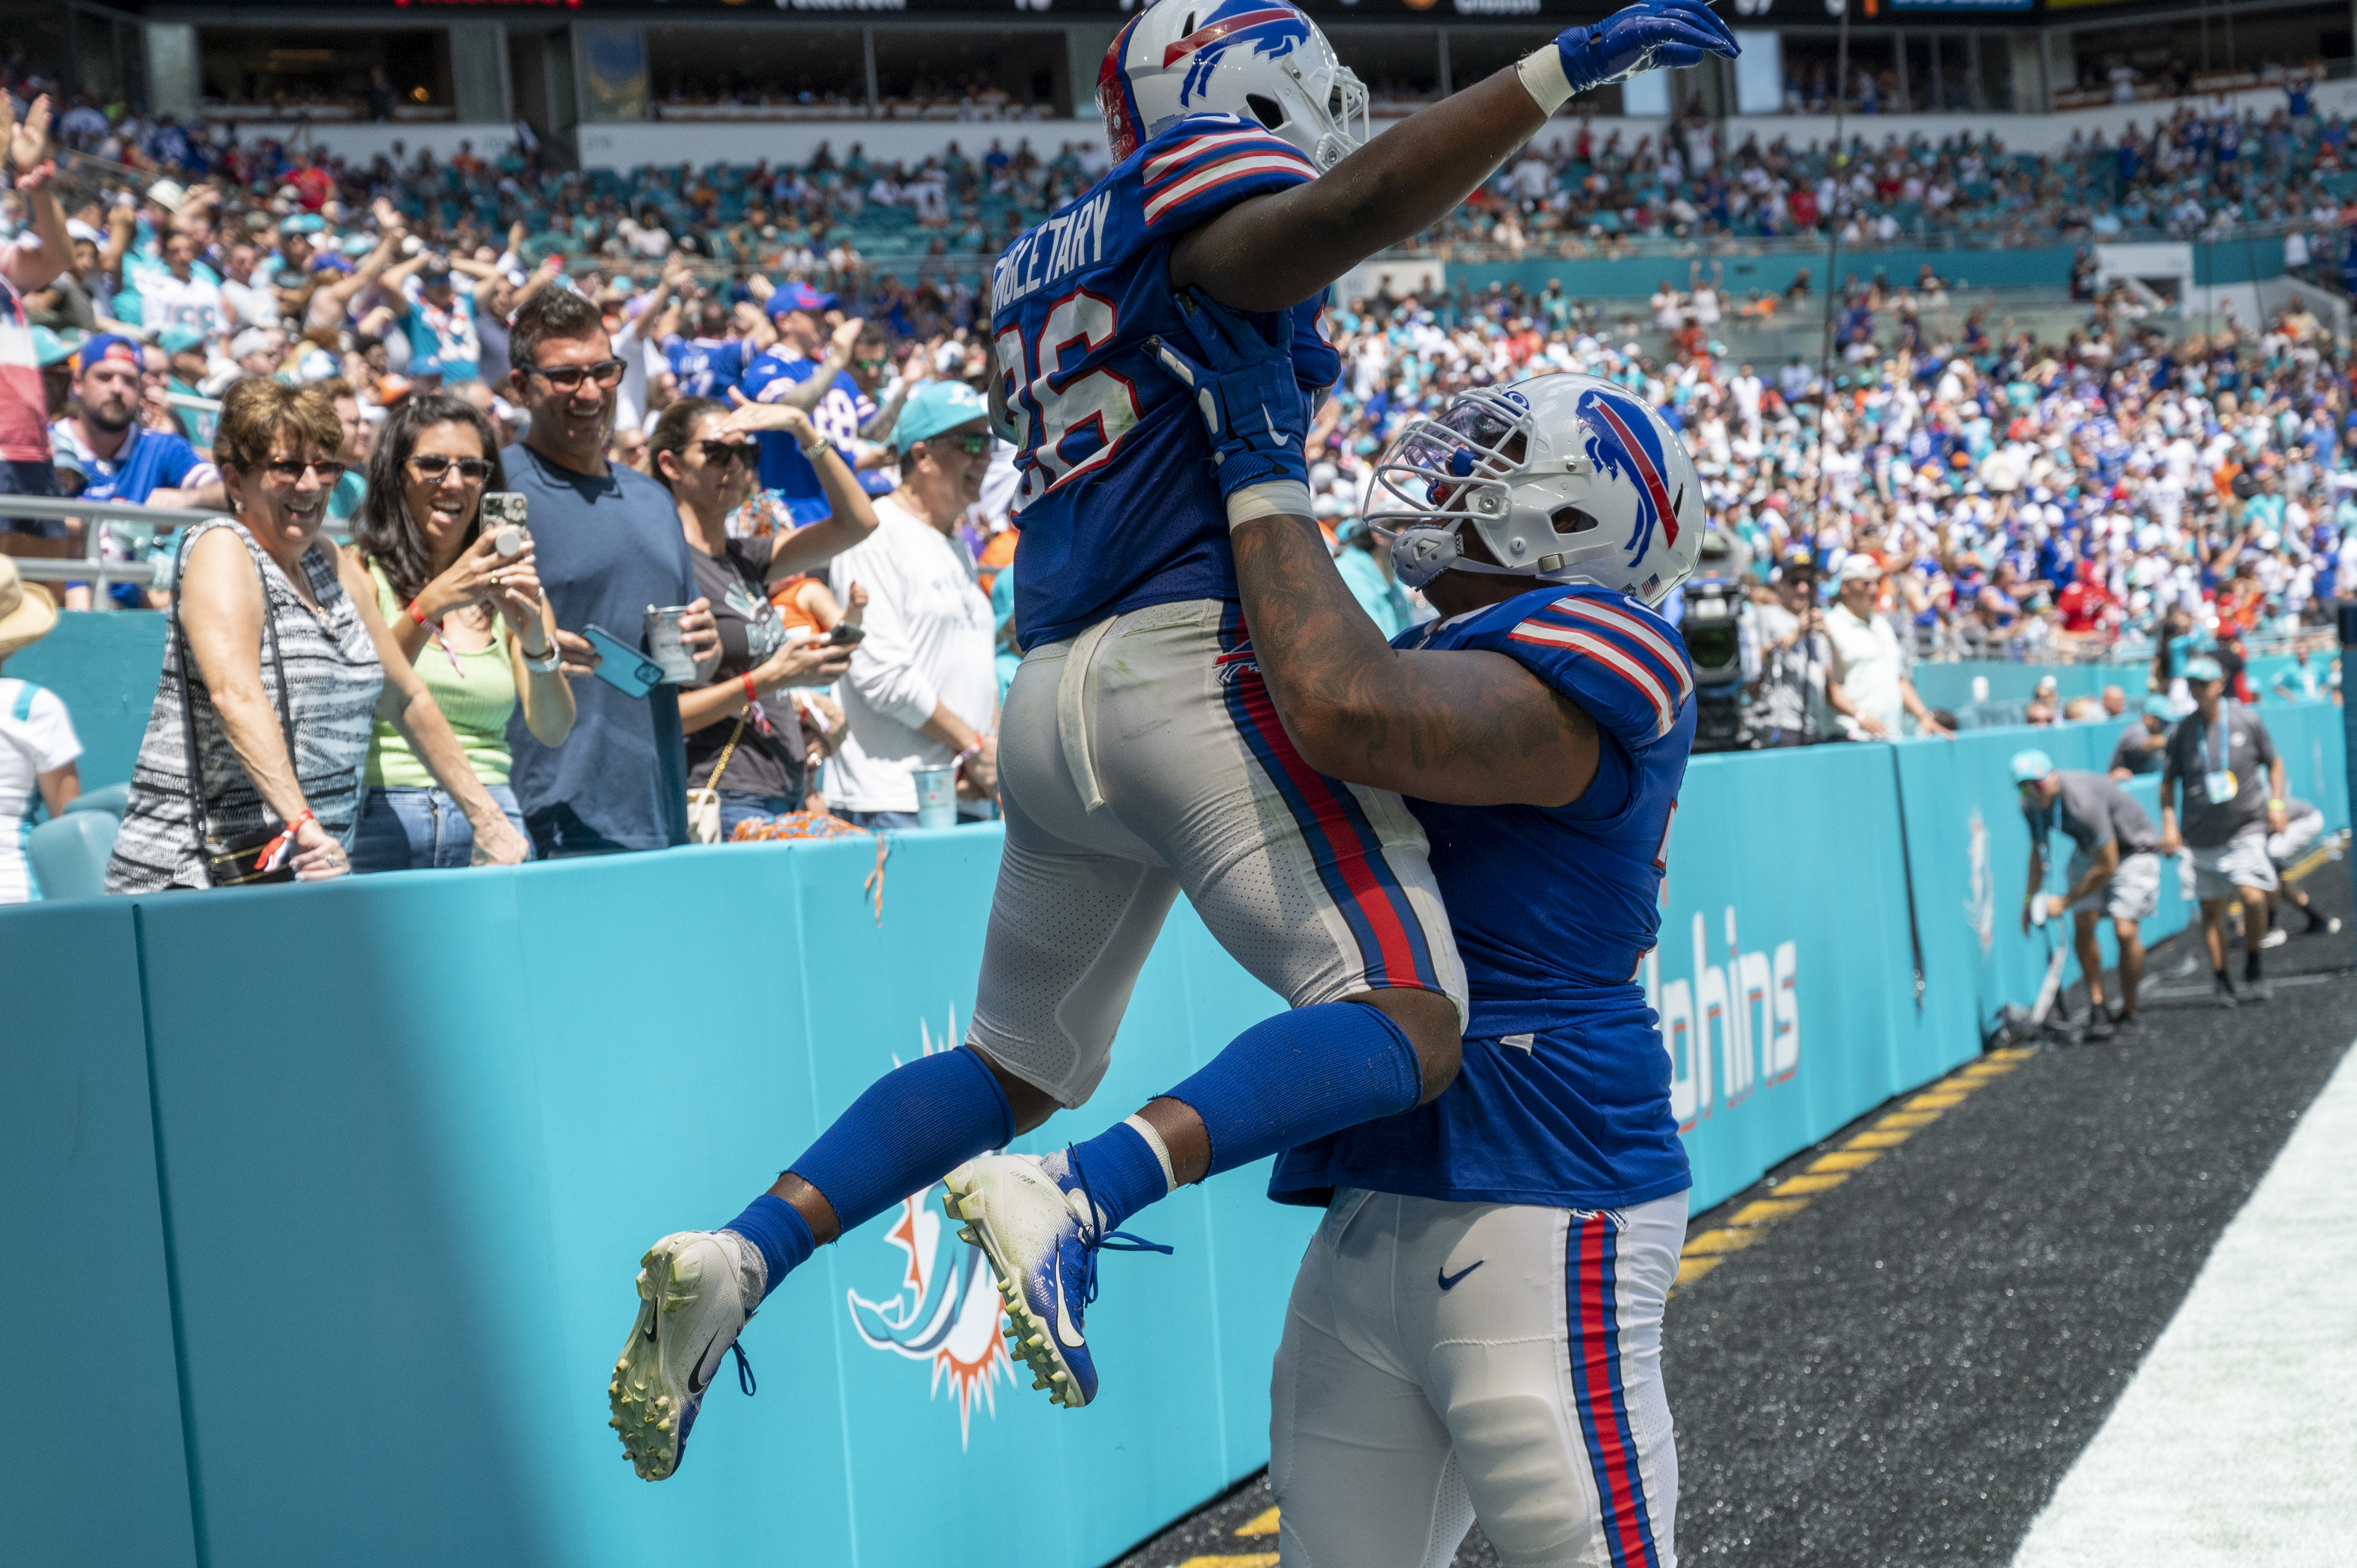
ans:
(622, 667)
(845, 633)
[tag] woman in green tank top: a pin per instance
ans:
(471, 620)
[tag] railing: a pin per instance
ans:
(90, 566)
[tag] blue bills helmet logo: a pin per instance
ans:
(1623, 441)
(1272, 31)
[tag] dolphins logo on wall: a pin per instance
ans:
(1623, 441)
(945, 1310)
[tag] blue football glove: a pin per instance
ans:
(1244, 388)
(1647, 36)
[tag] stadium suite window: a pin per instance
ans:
(327, 73)
(749, 69)
(937, 70)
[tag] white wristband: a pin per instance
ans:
(1542, 77)
(1272, 498)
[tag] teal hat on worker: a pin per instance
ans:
(2029, 767)
(935, 407)
(2203, 668)
(2159, 708)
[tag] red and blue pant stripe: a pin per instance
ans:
(1612, 1452)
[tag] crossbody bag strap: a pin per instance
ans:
(729, 751)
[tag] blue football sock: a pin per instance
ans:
(1123, 1171)
(779, 1233)
(912, 1127)
(1299, 1076)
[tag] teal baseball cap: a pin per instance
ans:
(172, 340)
(2203, 668)
(2029, 767)
(2159, 708)
(54, 348)
(934, 407)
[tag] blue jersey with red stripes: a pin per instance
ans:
(708, 367)
(1118, 506)
(838, 417)
(1564, 1098)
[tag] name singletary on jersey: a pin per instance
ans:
(1117, 503)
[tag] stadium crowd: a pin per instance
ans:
(2125, 492)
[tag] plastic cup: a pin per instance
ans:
(936, 797)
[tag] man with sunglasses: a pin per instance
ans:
(606, 544)
(922, 691)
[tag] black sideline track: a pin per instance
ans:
(1901, 1372)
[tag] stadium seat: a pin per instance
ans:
(112, 798)
(68, 854)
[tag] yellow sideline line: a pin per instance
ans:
(1707, 1249)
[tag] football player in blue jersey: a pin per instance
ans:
(712, 363)
(1141, 754)
(1474, 1330)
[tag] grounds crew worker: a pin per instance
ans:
(2114, 872)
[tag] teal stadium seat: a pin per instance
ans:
(68, 854)
(112, 798)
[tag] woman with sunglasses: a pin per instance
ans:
(743, 741)
(274, 664)
(470, 619)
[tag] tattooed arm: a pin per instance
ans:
(1468, 728)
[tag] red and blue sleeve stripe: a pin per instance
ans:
(1180, 180)
(1643, 657)
(1593, 1309)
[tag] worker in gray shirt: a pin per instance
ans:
(2114, 872)
(2223, 760)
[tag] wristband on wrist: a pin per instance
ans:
(1271, 498)
(275, 850)
(1542, 77)
(417, 615)
(546, 659)
(752, 692)
(810, 452)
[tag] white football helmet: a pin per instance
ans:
(1262, 60)
(1564, 478)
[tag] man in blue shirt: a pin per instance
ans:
(104, 453)
(606, 542)
(712, 363)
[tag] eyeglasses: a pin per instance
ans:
(329, 471)
(568, 378)
(434, 466)
(720, 454)
(972, 446)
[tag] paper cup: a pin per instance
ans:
(936, 797)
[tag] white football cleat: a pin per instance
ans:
(1035, 1221)
(697, 1289)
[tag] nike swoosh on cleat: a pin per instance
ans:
(1451, 1281)
(699, 1380)
(1067, 1333)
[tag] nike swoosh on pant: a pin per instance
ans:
(1451, 1281)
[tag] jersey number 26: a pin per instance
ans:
(1066, 420)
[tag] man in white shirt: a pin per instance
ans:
(1870, 661)
(178, 295)
(923, 687)
(1748, 390)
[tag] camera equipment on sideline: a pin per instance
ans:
(1713, 604)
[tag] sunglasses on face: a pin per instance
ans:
(292, 472)
(972, 446)
(720, 454)
(434, 466)
(568, 378)
(876, 364)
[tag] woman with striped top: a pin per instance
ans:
(471, 620)
(291, 664)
